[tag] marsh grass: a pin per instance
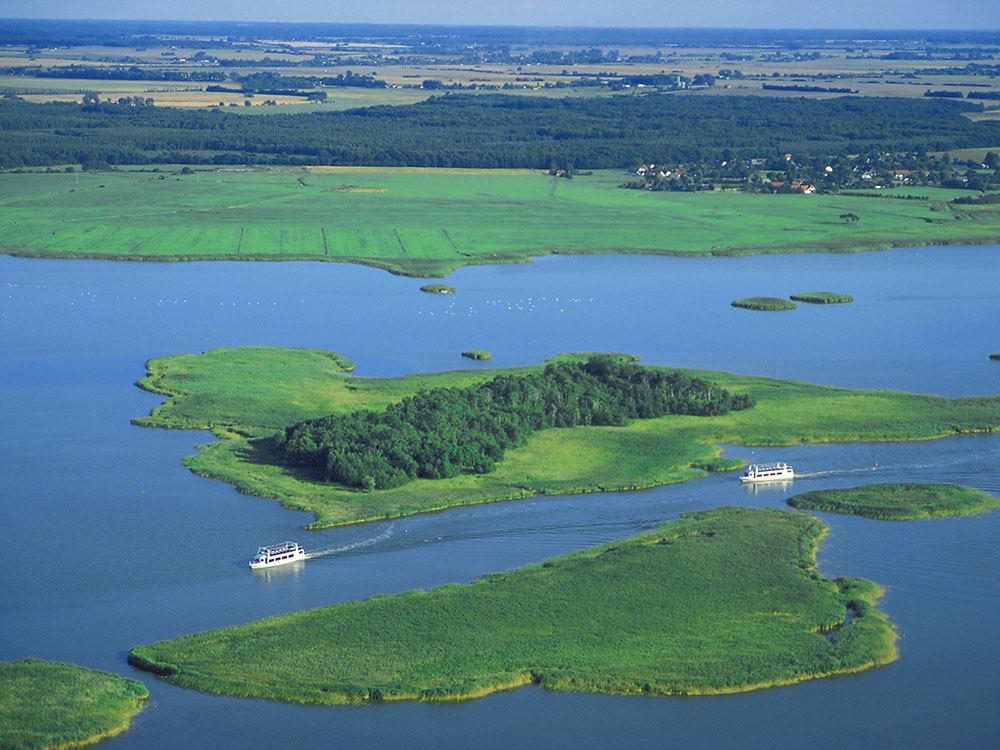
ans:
(822, 298)
(47, 704)
(245, 395)
(438, 289)
(714, 602)
(903, 501)
(763, 303)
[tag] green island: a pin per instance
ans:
(822, 298)
(763, 303)
(427, 222)
(247, 396)
(718, 601)
(995, 356)
(480, 355)
(903, 501)
(46, 705)
(438, 289)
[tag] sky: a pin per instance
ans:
(803, 14)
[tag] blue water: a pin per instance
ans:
(109, 542)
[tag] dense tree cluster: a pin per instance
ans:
(447, 431)
(491, 131)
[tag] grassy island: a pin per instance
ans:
(715, 602)
(429, 222)
(477, 354)
(903, 501)
(822, 298)
(438, 289)
(763, 303)
(46, 705)
(995, 356)
(247, 395)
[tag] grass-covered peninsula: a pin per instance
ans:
(48, 705)
(904, 501)
(715, 602)
(247, 395)
(428, 222)
(763, 303)
(822, 298)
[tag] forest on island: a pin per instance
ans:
(488, 131)
(447, 431)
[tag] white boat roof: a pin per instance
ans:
(272, 549)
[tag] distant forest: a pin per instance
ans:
(447, 431)
(58, 32)
(488, 131)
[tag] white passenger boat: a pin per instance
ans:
(774, 472)
(278, 554)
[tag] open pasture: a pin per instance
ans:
(428, 222)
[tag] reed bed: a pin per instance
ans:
(714, 602)
(49, 705)
(903, 501)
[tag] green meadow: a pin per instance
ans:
(245, 395)
(428, 222)
(49, 705)
(905, 501)
(715, 602)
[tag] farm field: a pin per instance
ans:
(428, 222)
(245, 394)
(715, 602)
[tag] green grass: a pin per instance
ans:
(477, 354)
(715, 602)
(428, 222)
(904, 501)
(46, 704)
(245, 394)
(763, 303)
(822, 298)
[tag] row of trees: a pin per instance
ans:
(447, 431)
(491, 131)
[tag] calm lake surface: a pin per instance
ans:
(109, 542)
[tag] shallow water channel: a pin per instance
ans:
(109, 542)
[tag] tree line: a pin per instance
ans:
(489, 131)
(447, 431)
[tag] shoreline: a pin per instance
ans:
(442, 269)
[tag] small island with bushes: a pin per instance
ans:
(718, 601)
(764, 303)
(438, 289)
(479, 355)
(46, 704)
(902, 501)
(822, 298)
(995, 356)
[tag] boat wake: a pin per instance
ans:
(386, 533)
